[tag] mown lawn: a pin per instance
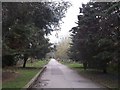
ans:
(23, 75)
(37, 64)
(108, 80)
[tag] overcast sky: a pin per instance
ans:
(69, 21)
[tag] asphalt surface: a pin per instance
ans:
(58, 75)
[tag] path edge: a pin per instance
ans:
(30, 83)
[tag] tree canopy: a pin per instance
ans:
(25, 24)
(96, 39)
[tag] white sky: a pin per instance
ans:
(69, 21)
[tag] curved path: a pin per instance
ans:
(58, 75)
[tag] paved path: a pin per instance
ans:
(58, 75)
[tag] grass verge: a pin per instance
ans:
(23, 75)
(108, 80)
(37, 64)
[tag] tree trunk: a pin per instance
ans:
(25, 60)
(104, 70)
(85, 65)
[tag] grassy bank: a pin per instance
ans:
(108, 80)
(19, 77)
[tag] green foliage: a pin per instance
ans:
(96, 39)
(8, 60)
(26, 24)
